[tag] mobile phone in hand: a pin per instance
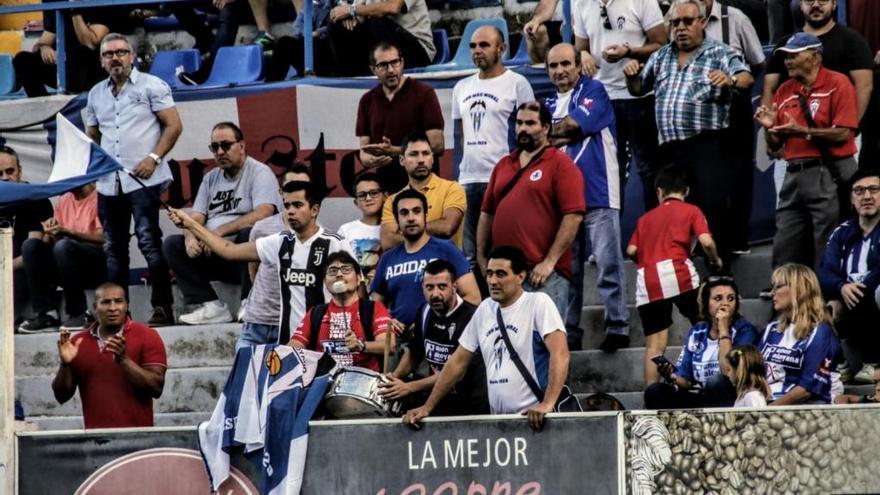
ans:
(660, 360)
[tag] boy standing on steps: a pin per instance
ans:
(661, 246)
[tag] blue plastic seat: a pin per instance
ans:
(522, 55)
(7, 75)
(235, 65)
(165, 64)
(462, 58)
(441, 42)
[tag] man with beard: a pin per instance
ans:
(512, 320)
(694, 78)
(350, 329)
(583, 126)
(298, 256)
(446, 200)
(132, 115)
(118, 365)
(400, 270)
(231, 199)
(850, 275)
(843, 50)
(441, 321)
(535, 202)
(390, 111)
(813, 121)
(482, 111)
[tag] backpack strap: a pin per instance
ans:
(317, 315)
(725, 24)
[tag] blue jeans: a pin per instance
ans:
(601, 231)
(116, 213)
(637, 144)
(474, 194)
(556, 286)
(256, 334)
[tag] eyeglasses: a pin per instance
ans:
(861, 191)
(813, 2)
(224, 145)
(687, 21)
(336, 270)
(776, 287)
(606, 22)
(383, 66)
(109, 54)
(374, 193)
(720, 278)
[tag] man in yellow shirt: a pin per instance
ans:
(446, 198)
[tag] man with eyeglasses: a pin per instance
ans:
(813, 121)
(232, 197)
(132, 115)
(390, 111)
(351, 329)
(608, 33)
(695, 78)
(482, 111)
(364, 235)
(850, 276)
(25, 220)
(446, 200)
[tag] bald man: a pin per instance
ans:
(482, 109)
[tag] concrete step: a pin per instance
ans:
(76, 422)
(622, 371)
(191, 390)
(757, 311)
(187, 347)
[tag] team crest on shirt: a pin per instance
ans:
(478, 111)
(536, 175)
(273, 363)
(621, 20)
(319, 256)
(696, 346)
(814, 107)
(498, 349)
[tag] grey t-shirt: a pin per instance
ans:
(264, 301)
(223, 200)
(415, 21)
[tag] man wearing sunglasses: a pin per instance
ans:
(132, 115)
(608, 33)
(694, 78)
(231, 199)
(850, 276)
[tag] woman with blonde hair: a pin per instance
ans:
(800, 348)
(746, 372)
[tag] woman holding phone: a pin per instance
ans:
(697, 379)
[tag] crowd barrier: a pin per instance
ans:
(800, 450)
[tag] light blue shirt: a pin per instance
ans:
(129, 126)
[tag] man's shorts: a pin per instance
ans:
(657, 315)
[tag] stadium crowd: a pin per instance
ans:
(478, 282)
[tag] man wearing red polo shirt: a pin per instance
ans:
(118, 364)
(534, 201)
(813, 119)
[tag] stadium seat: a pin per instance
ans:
(7, 75)
(462, 58)
(236, 65)
(161, 24)
(165, 64)
(522, 55)
(441, 42)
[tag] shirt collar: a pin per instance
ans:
(133, 77)
(715, 13)
(93, 330)
(458, 301)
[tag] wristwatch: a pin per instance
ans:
(156, 158)
(733, 78)
(352, 11)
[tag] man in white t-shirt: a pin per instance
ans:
(608, 34)
(526, 315)
(298, 255)
(483, 108)
(364, 235)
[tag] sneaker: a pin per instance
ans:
(187, 78)
(241, 310)
(846, 375)
(613, 342)
(74, 323)
(265, 40)
(865, 375)
(741, 252)
(208, 313)
(766, 293)
(41, 323)
(161, 317)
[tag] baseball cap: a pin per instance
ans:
(800, 42)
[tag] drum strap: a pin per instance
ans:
(366, 308)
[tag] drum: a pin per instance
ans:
(354, 394)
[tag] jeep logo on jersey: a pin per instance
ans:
(295, 276)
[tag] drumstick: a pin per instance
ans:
(388, 337)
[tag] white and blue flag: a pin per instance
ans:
(78, 161)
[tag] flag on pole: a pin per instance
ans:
(78, 161)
